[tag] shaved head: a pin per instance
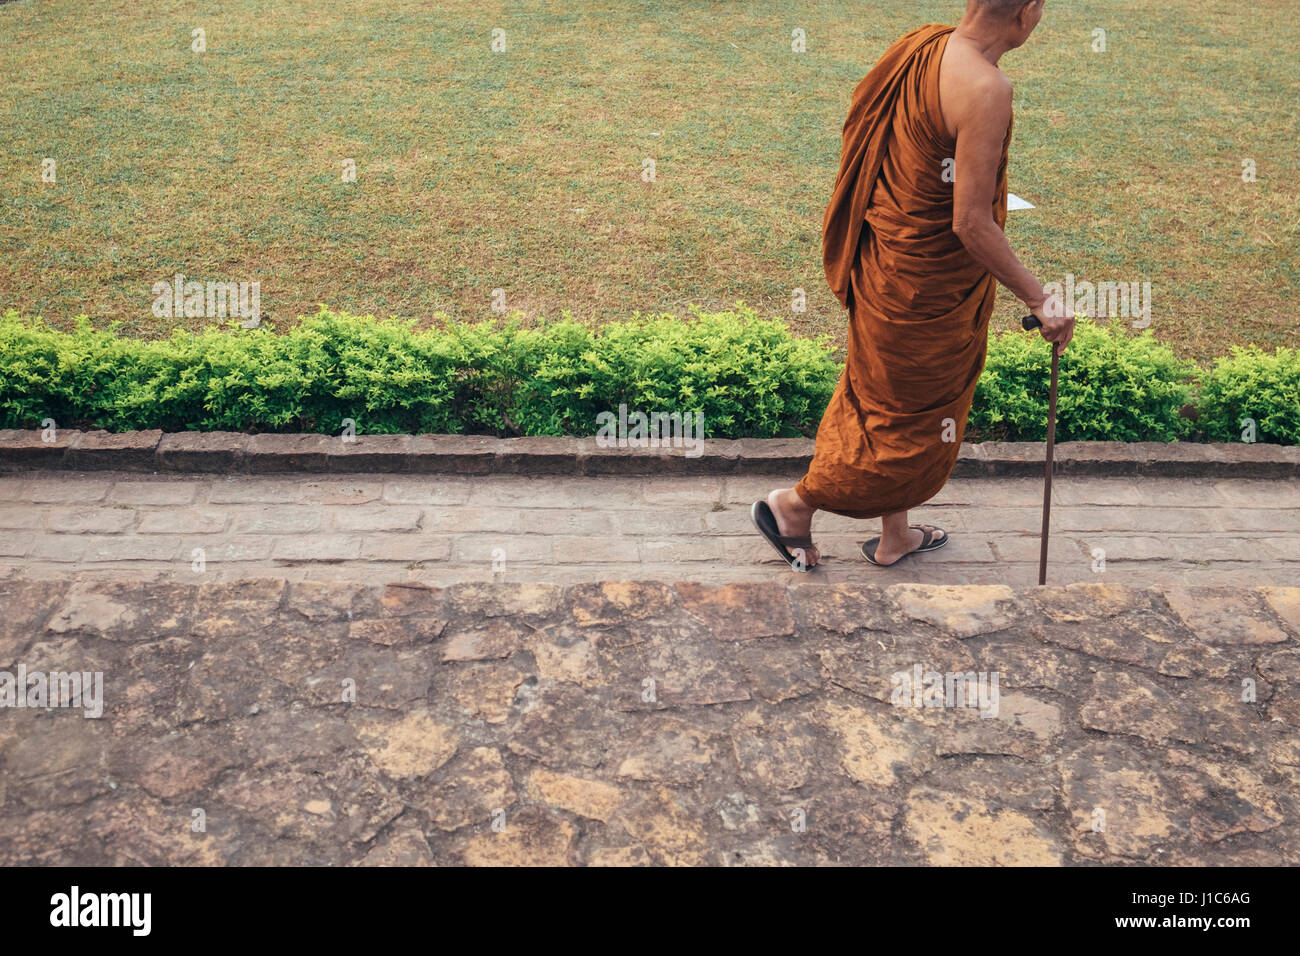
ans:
(1000, 25)
(1003, 8)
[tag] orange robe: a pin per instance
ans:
(919, 304)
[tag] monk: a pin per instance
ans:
(913, 246)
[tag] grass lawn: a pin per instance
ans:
(522, 170)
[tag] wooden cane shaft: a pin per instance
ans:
(1047, 479)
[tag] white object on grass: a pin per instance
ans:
(1015, 202)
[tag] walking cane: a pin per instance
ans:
(1029, 323)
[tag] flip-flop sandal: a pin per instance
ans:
(765, 522)
(928, 543)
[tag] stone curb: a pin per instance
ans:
(235, 452)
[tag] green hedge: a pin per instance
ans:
(1252, 384)
(748, 377)
(1113, 386)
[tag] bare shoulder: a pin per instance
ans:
(971, 88)
(964, 67)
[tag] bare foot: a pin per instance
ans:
(794, 519)
(892, 548)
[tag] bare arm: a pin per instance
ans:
(981, 121)
(981, 118)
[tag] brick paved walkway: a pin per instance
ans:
(442, 530)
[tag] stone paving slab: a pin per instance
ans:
(443, 529)
(229, 452)
(268, 721)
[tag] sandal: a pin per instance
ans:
(928, 543)
(765, 522)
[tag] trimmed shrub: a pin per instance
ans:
(1250, 383)
(748, 377)
(1113, 387)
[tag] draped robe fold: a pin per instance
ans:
(919, 303)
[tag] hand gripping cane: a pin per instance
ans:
(1029, 323)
